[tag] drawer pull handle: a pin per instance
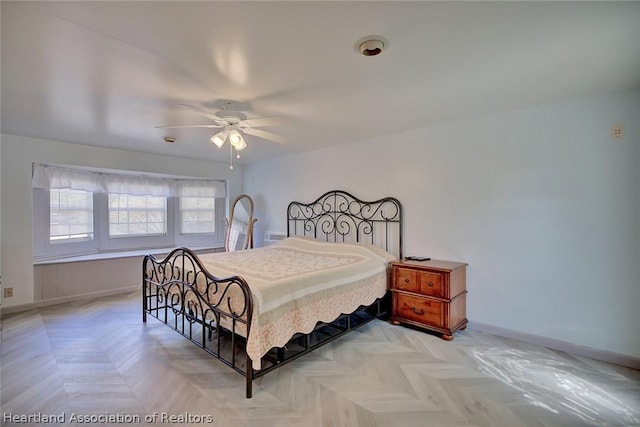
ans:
(406, 280)
(415, 310)
(431, 284)
(418, 312)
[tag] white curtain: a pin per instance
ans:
(197, 188)
(47, 176)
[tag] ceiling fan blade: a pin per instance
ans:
(264, 135)
(201, 111)
(262, 121)
(188, 126)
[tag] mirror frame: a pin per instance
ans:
(248, 241)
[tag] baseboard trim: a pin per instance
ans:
(579, 350)
(62, 300)
(17, 308)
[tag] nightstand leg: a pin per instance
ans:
(446, 337)
(395, 322)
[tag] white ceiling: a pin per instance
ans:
(104, 73)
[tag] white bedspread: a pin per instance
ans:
(296, 267)
(299, 281)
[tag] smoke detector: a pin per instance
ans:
(371, 45)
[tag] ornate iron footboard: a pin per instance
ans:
(215, 313)
(182, 294)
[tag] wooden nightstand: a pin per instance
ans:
(430, 294)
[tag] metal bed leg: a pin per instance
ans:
(144, 300)
(249, 377)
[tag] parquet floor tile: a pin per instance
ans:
(97, 357)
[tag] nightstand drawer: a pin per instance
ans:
(431, 284)
(422, 310)
(406, 279)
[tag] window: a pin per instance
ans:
(197, 215)
(77, 212)
(137, 215)
(70, 215)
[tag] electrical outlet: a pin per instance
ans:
(8, 292)
(617, 131)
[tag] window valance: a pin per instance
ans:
(48, 176)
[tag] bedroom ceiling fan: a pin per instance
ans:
(233, 125)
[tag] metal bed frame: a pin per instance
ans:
(170, 286)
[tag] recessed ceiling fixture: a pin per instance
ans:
(169, 139)
(371, 45)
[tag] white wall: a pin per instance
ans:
(18, 153)
(1, 287)
(541, 203)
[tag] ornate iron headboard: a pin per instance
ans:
(338, 216)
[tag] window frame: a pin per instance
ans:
(120, 243)
(201, 239)
(42, 225)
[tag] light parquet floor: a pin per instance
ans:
(97, 356)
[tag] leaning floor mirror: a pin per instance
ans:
(239, 231)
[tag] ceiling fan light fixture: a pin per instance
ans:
(219, 138)
(233, 124)
(237, 140)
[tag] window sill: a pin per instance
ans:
(119, 254)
